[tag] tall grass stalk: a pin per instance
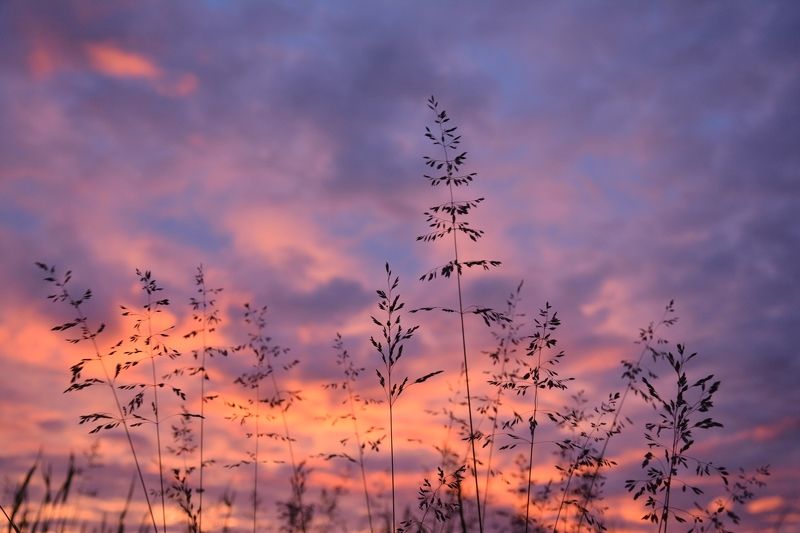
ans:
(62, 294)
(256, 461)
(264, 351)
(351, 373)
(298, 475)
(670, 438)
(155, 347)
(508, 338)
(206, 314)
(538, 375)
(541, 339)
(447, 219)
(259, 345)
(390, 348)
(150, 287)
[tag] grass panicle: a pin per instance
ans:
(681, 413)
(149, 342)
(448, 219)
(86, 334)
(206, 317)
(266, 354)
(390, 346)
(354, 403)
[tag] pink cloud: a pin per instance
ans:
(113, 61)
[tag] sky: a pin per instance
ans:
(629, 154)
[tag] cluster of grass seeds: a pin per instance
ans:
(513, 401)
(432, 503)
(579, 455)
(181, 490)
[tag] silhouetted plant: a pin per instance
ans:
(390, 347)
(206, 316)
(579, 455)
(671, 437)
(103, 421)
(297, 515)
(153, 342)
(537, 373)
(648, 338)
(180, 489)
(448, 219)
(329, 508)
(721, 511)
(568, 500)
(266, 353)
(508, 337)
(39, 504)
(82, 482)
(431, 502)
(351, 373)
(227, 500)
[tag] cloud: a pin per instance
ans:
(113, 61)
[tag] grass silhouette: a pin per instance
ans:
(533, 425)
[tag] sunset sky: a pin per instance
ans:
(629, 153)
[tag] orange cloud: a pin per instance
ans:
(113, 61)
(766, 504)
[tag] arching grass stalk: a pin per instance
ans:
(150, 287)
(447, 219)
(583, 456)
(632, 374)
(106, 421)
(390, 347)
